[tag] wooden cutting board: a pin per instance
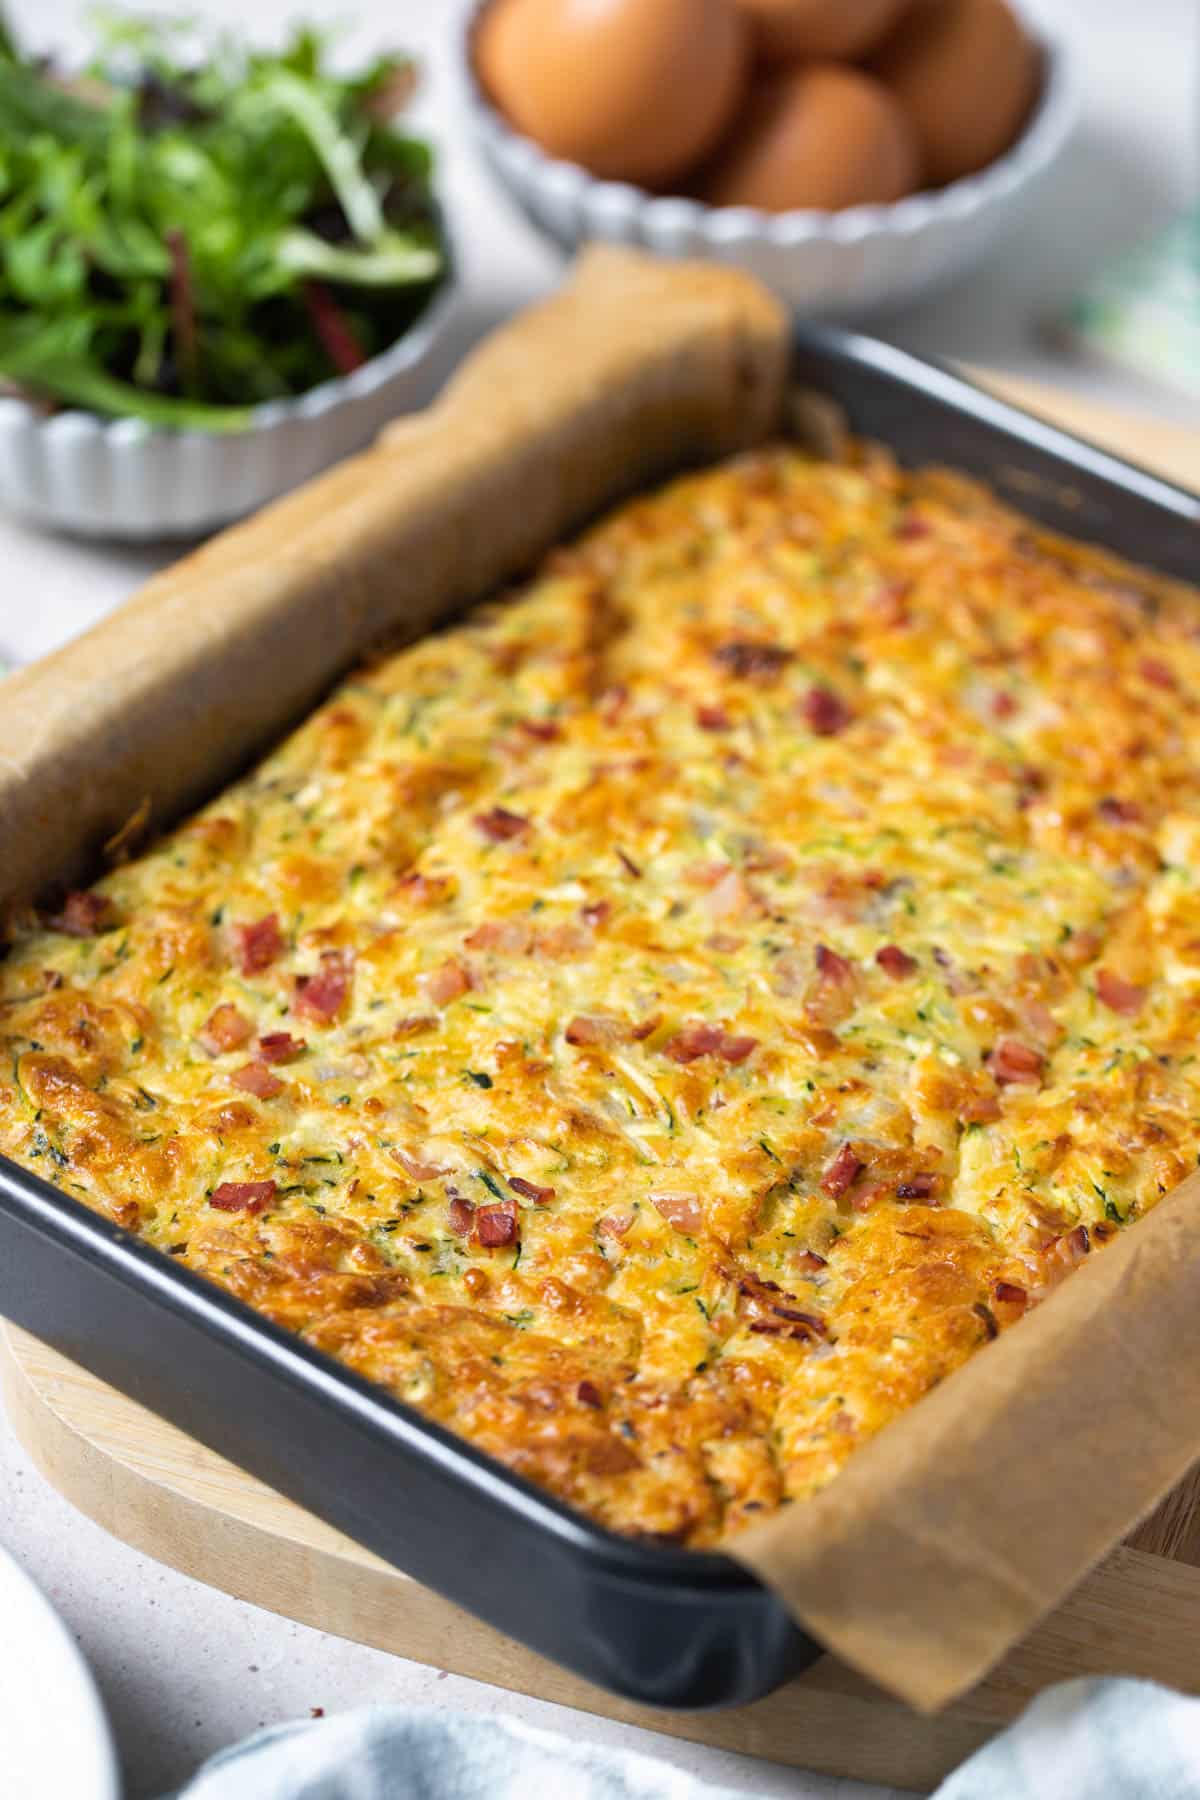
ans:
(148, 1484)
(1170, 449)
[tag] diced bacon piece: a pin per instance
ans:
(810, 1324)
(1063, 1254)
(588, 1394)
(807, 1262)
(1081, 948)
(596, 913)
(862, 1199)
(911, 527)
(258, 944)
(700, 1039)
(645, 1028)
(789, 1322)
(1115, 811)
(832, 967)
(692, 1042)
(1013, 1063)
(224, 1029)
(448, 982)
(842, 1172)
(844, 896)
(615, 1225)
(420, 1167)
(1157, 673)
(531, 1190)
(1119, 995)
(322, 996)
(497, 1225)
(1004, 705)
(83, 913)
(587, 1030)
(829, 996)
(825, 712)
(917, 1187)
(1039, 1023)
(760, 1292)
(257, 1079)
(424, 890)
(487, 936)
(242, 1196)
(512, 936)
(280, 1047)
(564, 939)
(713, 718)
(462, 1216)
(683, 1211)
(729, 897)
(750, 659)
(1009, 1294)
(896, 962)
(980, 1109)
(500, 826)
(544, 731)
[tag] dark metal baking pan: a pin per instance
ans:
(667, 1627)
(929, 415)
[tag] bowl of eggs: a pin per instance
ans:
(853, 154)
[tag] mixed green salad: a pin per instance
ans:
(189, 228)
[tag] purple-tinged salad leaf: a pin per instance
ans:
(190, 229)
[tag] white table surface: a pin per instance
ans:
(184, 1669)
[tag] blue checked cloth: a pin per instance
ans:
(1084, 1740)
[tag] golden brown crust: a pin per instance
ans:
(665, 1025)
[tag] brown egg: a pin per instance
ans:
(635, 90)
(822, 135)
(787, 29)
(967, 75)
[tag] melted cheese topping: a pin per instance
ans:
(710, 994)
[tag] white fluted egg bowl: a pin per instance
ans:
(848, 263)
(122, 478)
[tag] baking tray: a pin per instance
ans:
(658, 1625)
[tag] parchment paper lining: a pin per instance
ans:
(949, 1535)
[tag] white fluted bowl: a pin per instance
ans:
(122, 478)
(847, 263)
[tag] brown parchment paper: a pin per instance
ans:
(955, 1530)
(946, 1538)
